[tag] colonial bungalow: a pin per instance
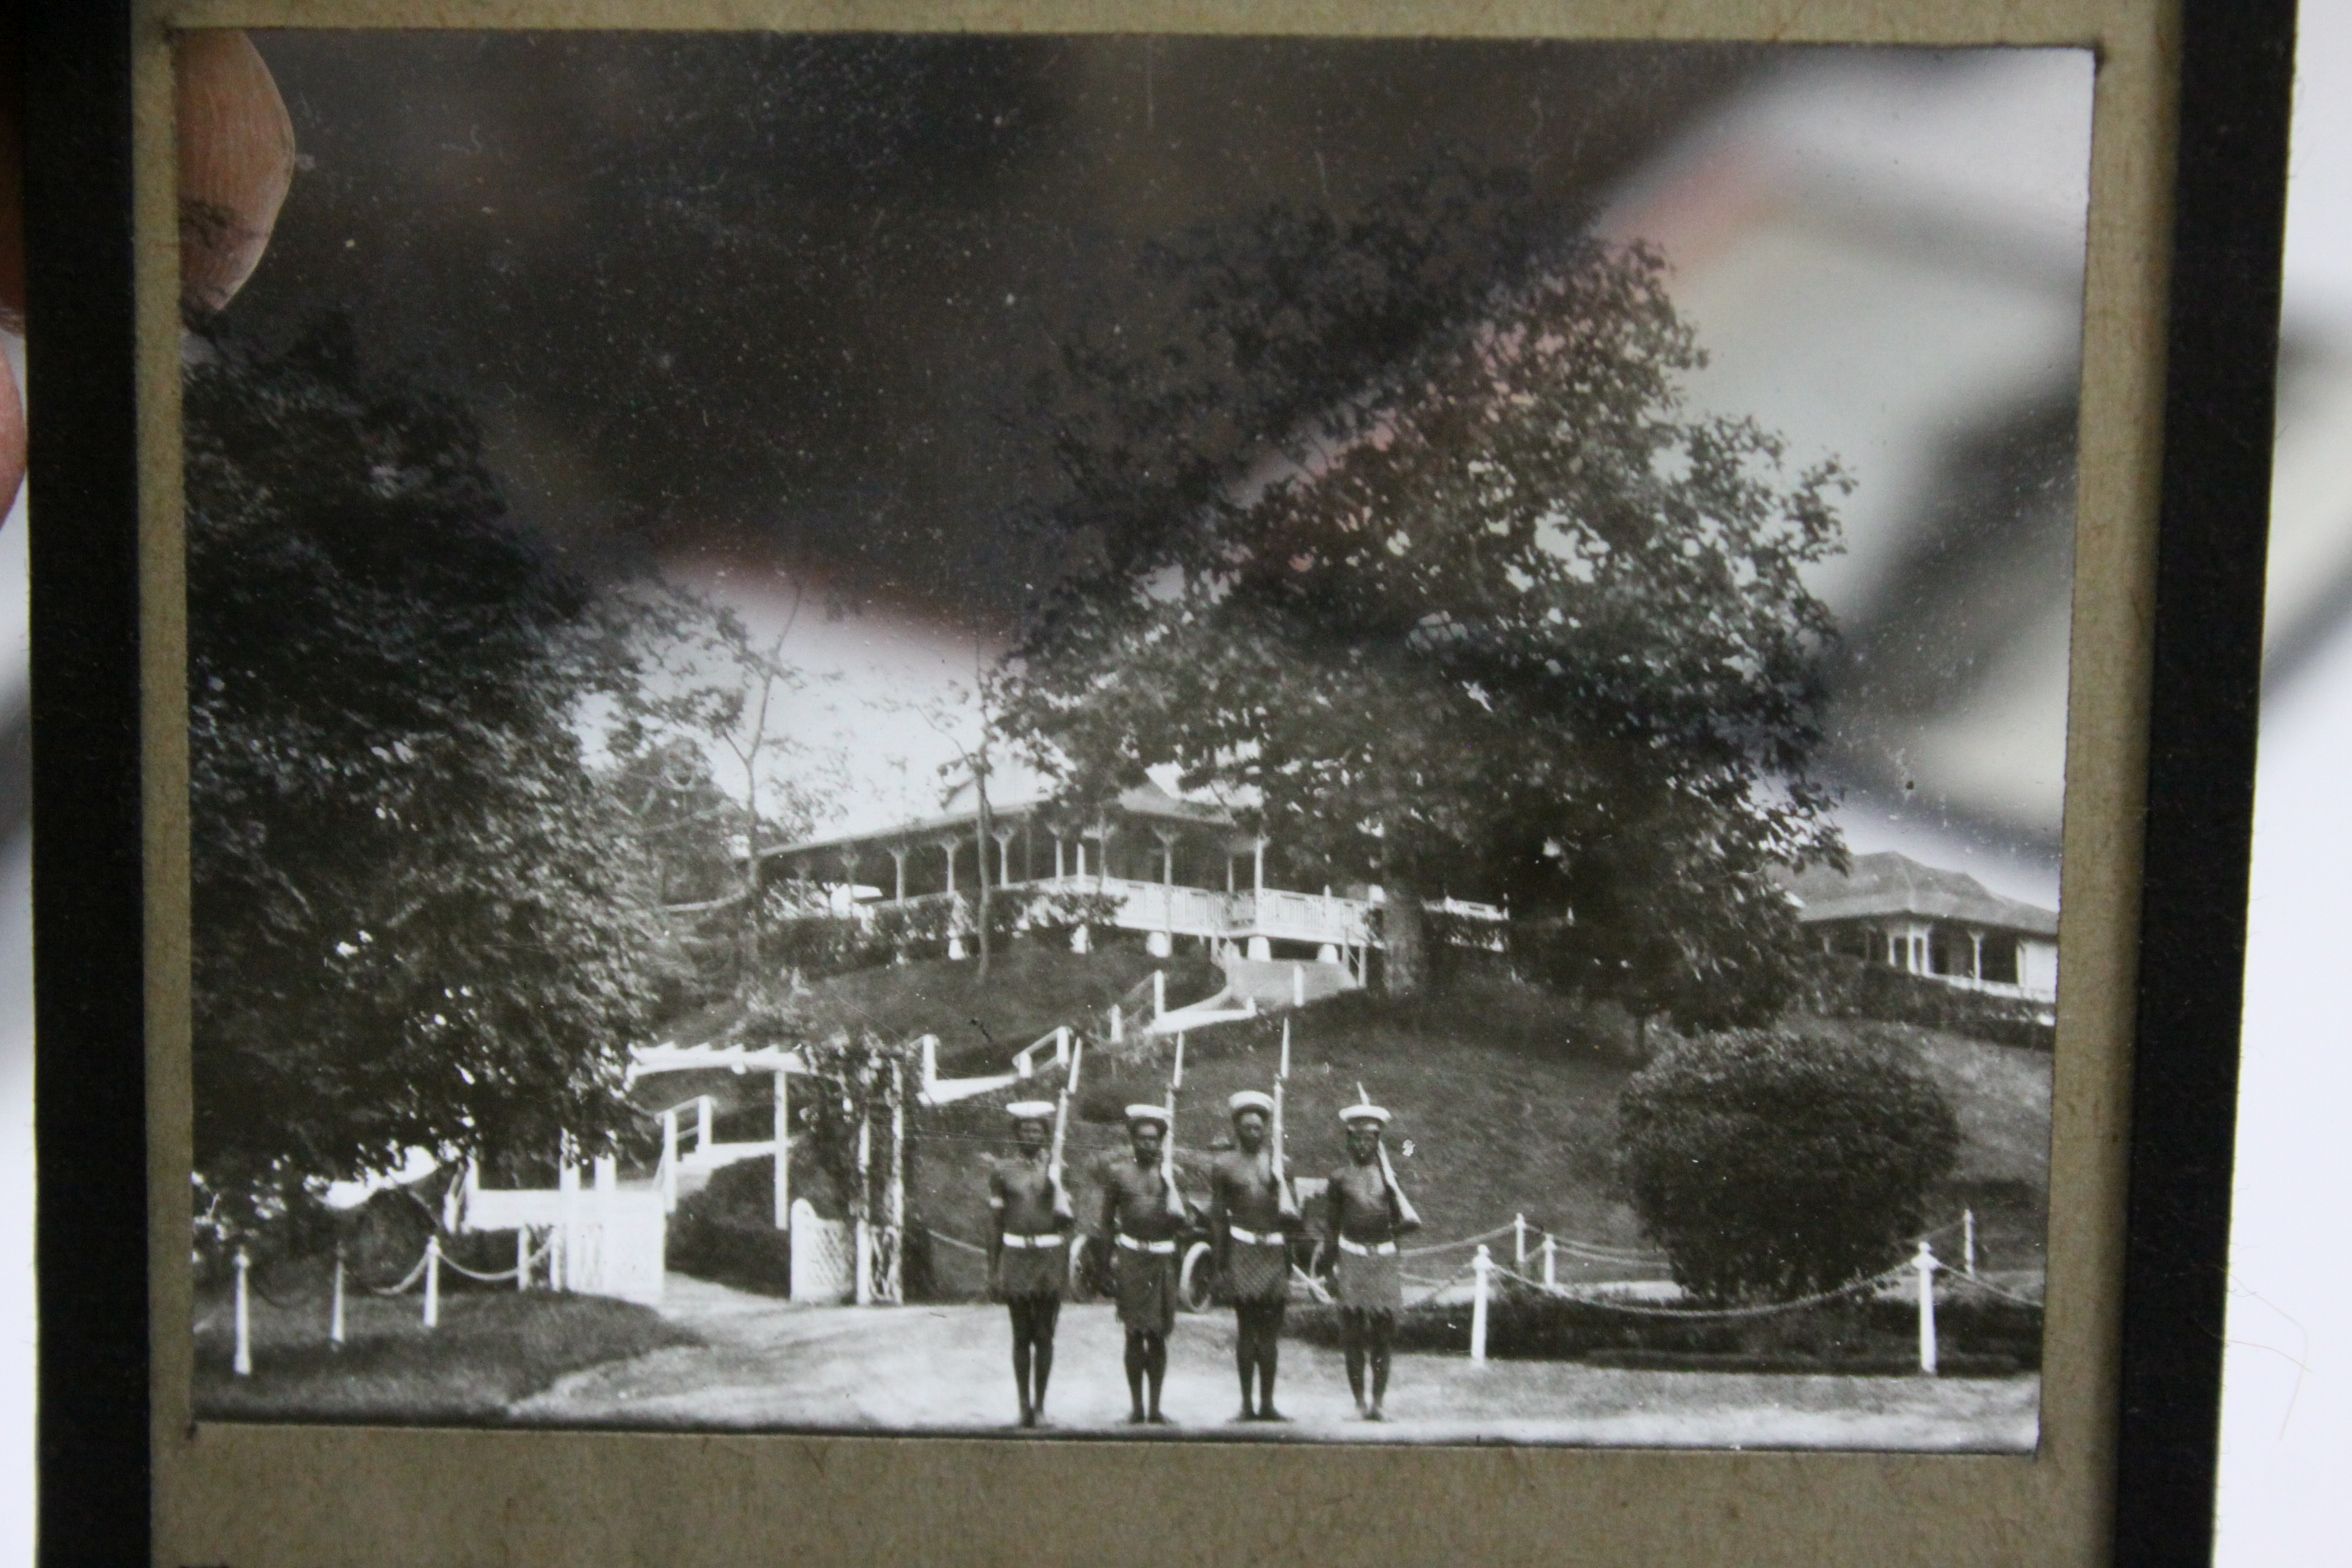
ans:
(1177, 868)
(1943, 925)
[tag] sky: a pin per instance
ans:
(769, 311)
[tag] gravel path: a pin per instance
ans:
(947, 1368)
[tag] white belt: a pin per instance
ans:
(1253, 1238)
(1132, 1245)
(1034, 1243)
(1385, 1249)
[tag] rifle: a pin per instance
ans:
(1062, 1101)
(1168, 1141)
(1286, 1204)
(1407, 1217)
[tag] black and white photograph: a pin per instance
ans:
(1190, 738)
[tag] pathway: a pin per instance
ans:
(770, 1364)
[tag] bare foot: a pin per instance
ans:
(1375, 1414)
(1160, 1420)
(1135, 1418)
(1271, 1414)
(1028, 1418)
(1246, 1414)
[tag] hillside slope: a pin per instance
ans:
(1504, 1097)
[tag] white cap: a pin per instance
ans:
(1146, 1112)
(1251, 1100)
(1364, 1113)
(1030, 1110)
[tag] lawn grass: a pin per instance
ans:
(1504, 1094)
(492, 1347)
(1033, 985)
(1505, 1102)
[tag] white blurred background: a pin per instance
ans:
(1774, 213)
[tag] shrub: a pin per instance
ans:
(1848, 987)
(1064, 910)
(1772, 1162)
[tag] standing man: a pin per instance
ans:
(1249, 1218)
(1027, 1251)
(1369, 1211)
(1140, 1221)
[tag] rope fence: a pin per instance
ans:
(1481, 1270)
(426, 1271)
(1607, 1303)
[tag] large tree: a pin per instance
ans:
(417, 916)
(1499, 611)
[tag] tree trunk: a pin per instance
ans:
(1405, 930)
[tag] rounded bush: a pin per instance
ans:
(1770, 1163)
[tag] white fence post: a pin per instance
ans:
(702, 1123)
(1298, 985)
(1481, 1267)
(1116, 1025)
(243, 1364)
(1550, 1263)
(1159, 992)
(669, 1157)
(522, 1257)
(335, 1309)
(1925, 1263)
(432, 1282)
(862, 1290)
(1518, 1241)
(1061, 1045)
(1968, 1242)
(783, 1129)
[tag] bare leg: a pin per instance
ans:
(1351, 1341)
(1269, 1352)
(1383, 1331)
(1023, 1329)
(1155, 1368)
(1245, 1354)
(1135, 1360)
(1048, 1316)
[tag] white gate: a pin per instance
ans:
(613, 1244)
(824, 1263)
(606, 1241)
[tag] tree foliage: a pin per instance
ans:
(706, 686)
(417, 917)
(1501, 612)
(1774, 1162)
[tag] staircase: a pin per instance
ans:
(1253, 987)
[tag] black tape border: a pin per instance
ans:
(2221, 341)
(88, 908)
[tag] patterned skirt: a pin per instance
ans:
(1025, 1273)
(1258, 1272)
(1369, 1282)
(1146, 1287)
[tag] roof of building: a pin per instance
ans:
(1887, 883)
(1146, 800)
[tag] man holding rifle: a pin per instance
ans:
(1250, 1234)
(1251, 1215)
(1369, 1211)
(1141, 1217)
(1027, 1247)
